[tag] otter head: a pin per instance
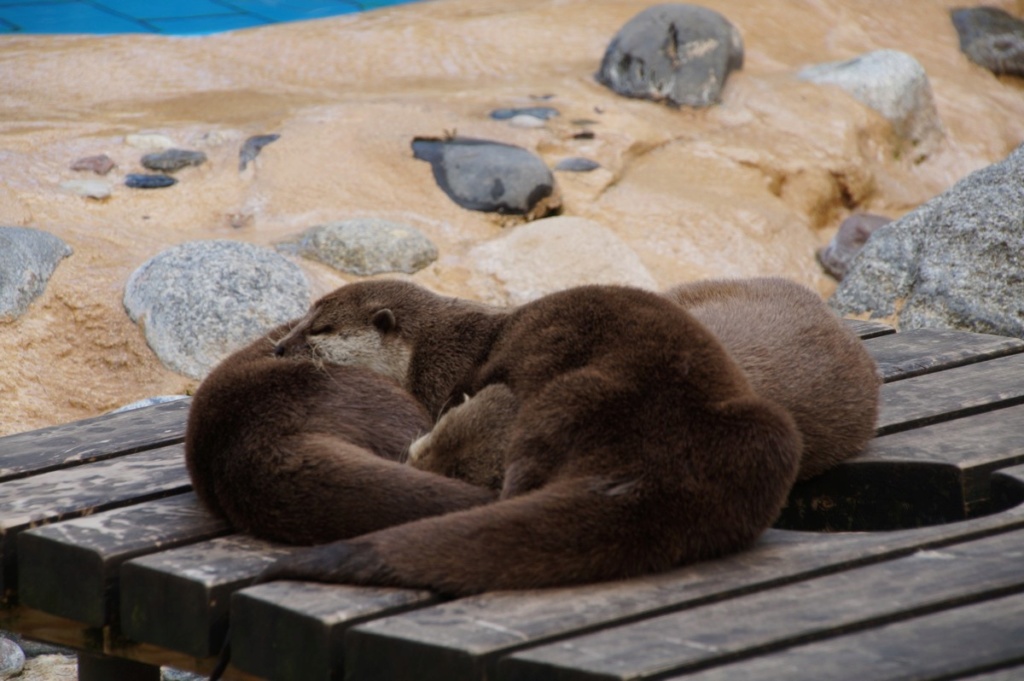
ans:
(355, 325)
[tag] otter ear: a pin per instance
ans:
(384, 320)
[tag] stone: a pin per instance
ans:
(676, 53)
(251, 149)
(173, 160)
(549, 255)
(892, 83)
(366, 246)
(149, 140)
(92, 189)
(199, 301)
(12, 659)
(490, 176)
(992, 38)
(28, 258)
(956, 262)
(146, 181)
(577, 164)
(541, 112)
(100, 164)
(148, 402)
(847, 242)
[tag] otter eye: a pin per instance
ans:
(320, 329)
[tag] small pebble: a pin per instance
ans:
(577, 164)
(93, 189)
(526, 121)
(100, 164)
(173, 160)
(149, 140)
(251, 149)
(542, 112)
(144, 181)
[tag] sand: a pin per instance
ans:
(752, 186)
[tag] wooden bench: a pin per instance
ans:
(920, 574)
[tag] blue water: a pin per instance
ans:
(170, 17)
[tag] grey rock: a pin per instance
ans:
(991, 38)
(27, 259)
(173, 160)
(144, 181)
(100, 164)
(148, 402)
(12, 659)
(849, 239)
(542, 112)
(892, 83)
(201, 300)
(956, 262)
(577, 164)
(490, 176)
(677, 53)
(171, 674)
(366, 246)
(252, 147)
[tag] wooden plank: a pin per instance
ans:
(1014, 673)
(179, 598)
(464, 639)
(923, 351)
(935, 474)
(294, 630)
(70, 569)
(867, 328)
(950, 394)
(950, 644)
(926, 581)
(83, 490)
(94, 439)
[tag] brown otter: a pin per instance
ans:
(303, 451)
(638, 444)
(797, 353)
(791, 346)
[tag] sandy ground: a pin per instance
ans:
(752, 186)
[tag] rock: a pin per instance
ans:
(93, 189)
(991, 38)
(956, 262)
(27, 259)
(552, 254)
(149, 140)
(100, 164)
(199, 301)
(490, 176)
(173, 160)
(577, 164)
(251, 149)
(540, 112)
(677, 53)
(145, 181)
(853, 232)
(892, 83)
(366, 246)
(148, 402)
(12, 659)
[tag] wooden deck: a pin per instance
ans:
(907, 562)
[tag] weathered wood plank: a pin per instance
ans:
(70, 569)
(829, 605)
(1014, 673)
(294, 630)
(179, 598)
(464, 639)
(923, 351)
(868, 329)
(950, 644)
(958, 392)
(83, 490)
(94, 439)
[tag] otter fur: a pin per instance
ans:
(638, 443)
(302, 451)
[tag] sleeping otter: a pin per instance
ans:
(302, 451)
(638, 443)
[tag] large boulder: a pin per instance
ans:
(366, 246)
(201, 300)
(957, 262)
(676, 53)
(27, 259)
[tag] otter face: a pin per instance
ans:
(351, 336)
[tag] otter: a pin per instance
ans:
(791, 346)
(638, 443)
(302, 451)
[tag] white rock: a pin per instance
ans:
(149, 140)
(93, 189)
